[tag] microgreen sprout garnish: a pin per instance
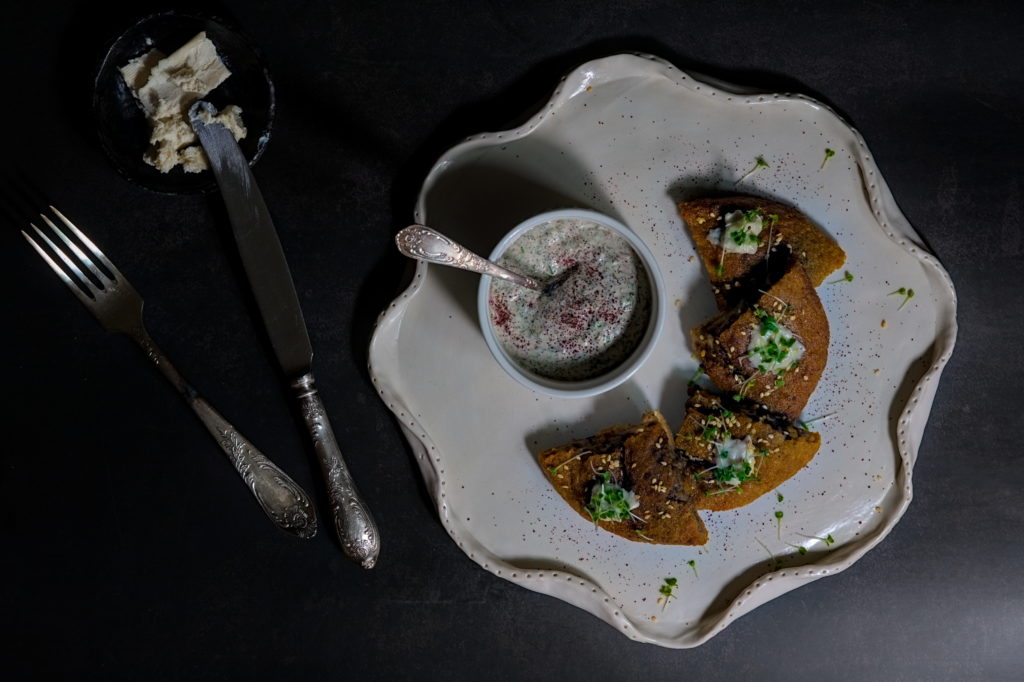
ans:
(715, 430)
(772, 219)
(799, 548)
(906, 293)
(693, 564)
(740, 236)
(828, 539)
(637, 531)
(806, 425)
(722, 491)
(667, 591)
(696, 376)
(609, 501)
(759, 163)
(829, 153)
(847, 277)
(779, 497)
(579, 454)
(778, 516)
(720, 268)
(768, 323)
(788, 307)
(739, 472)
(775, 563)
(744, 387)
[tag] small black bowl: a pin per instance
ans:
(121, 123)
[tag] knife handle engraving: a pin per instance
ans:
(281, 498)
(353, 522)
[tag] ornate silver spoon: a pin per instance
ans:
(422, 243)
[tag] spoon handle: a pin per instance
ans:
(422, 243)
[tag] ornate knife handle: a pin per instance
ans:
(353, 522)
(282, 499)
(422, 243)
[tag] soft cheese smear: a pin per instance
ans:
(741, 232)
(773, 348)
(735, 461)
(165, 87)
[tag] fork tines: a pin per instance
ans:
(85, 286)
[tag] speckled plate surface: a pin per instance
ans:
(629, 136)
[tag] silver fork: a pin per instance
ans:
(118, 307)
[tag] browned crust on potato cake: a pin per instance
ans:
(721, 344)
(783, 451)
(794, 232)
(641, 459)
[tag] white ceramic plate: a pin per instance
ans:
(629, 136)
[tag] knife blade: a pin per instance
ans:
(271, 282)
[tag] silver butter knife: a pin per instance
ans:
(271, 282)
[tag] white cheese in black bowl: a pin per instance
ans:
(161, 64)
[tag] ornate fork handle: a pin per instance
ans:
(282, 499)
(423, 243)
(353, 522)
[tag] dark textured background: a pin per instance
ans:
(129, 548)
